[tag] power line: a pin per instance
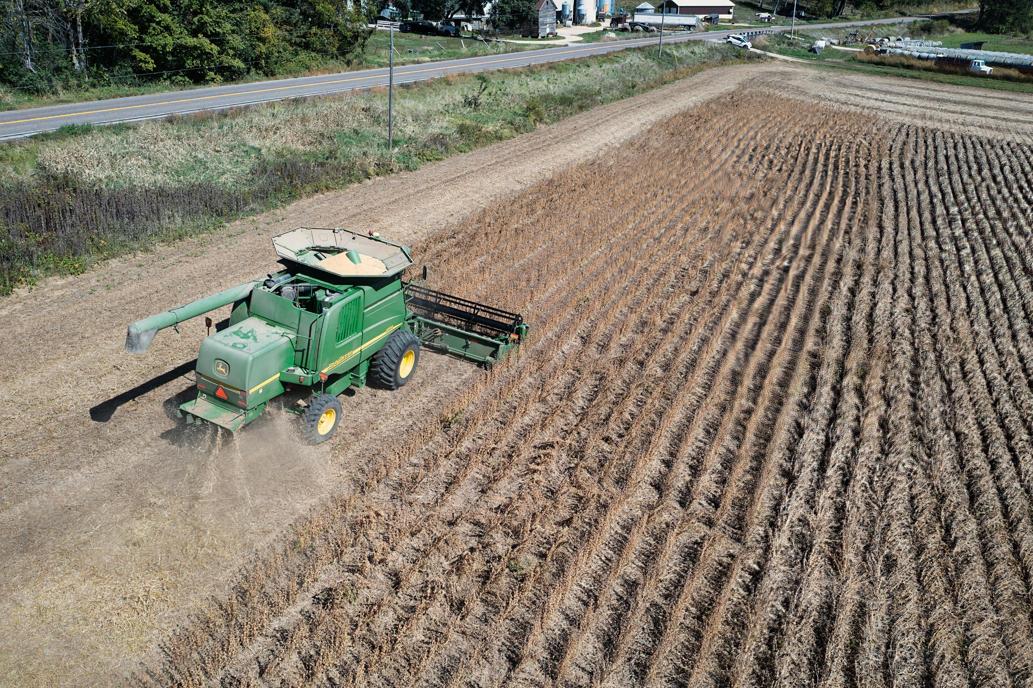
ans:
(91, 47)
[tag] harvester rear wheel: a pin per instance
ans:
(321, 418)
(396, 361)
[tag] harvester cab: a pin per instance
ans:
(337, 315)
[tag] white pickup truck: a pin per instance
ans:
(668, 21)
(979, 67)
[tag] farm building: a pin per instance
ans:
(722, 8)
(545, 19)
(645, 8)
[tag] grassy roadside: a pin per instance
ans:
(409, 49)
(85, 194)
(1004, 44)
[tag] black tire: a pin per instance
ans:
(396, 361)
(321, 418)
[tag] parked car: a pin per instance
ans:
(429, 28)
(739, 41)
(446, 29)
(421, 26)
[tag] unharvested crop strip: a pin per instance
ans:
(757, 438)
(685, 493)
(810, 281)
(670, 497)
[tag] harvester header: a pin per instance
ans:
(336, 316)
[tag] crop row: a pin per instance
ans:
(773, 427)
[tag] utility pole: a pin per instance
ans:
(391, 91)
(792, 30)
(663, 16)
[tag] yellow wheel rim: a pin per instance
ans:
(407, 364)
(326, 421)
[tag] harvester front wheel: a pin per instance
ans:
(396, 362)
(321, 418)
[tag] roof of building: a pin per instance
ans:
(645, 6)
(701, 3)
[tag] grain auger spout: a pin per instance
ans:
(141, 332)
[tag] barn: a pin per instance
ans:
(723, 8)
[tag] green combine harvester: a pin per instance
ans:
(337, 316)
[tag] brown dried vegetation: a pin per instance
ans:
(774, 427)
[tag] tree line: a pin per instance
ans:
(997, 16)
(1006, 15)
(48, 44)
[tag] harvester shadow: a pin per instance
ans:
(103, 412)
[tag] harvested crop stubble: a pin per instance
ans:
(773, 427)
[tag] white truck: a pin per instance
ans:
(668, 21)
(980, 67)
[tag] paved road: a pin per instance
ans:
(21, 123)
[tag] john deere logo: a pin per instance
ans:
(222, 368)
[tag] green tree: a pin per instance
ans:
(333, 27)
(469, 8)
(446, 9)
(432, 9)
(1001, 16)
(47, 43)
(511, 15)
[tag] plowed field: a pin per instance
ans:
(774, 427)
